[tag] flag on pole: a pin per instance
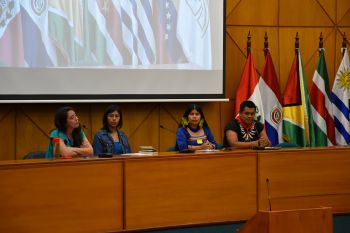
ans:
(248, 88)
(271, 101)
(340, 99)
(321, 105)
(297, 119)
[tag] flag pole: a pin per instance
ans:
(266, 44)
(296, 44)
(343, 44)
(320, 43)
(249, 44)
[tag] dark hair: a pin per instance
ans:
(61, 125)
(189, 110)
(110, 109)
(247, 104)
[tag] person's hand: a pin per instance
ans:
(263, 141)
(206, 145)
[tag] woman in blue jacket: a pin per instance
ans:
(110, 139)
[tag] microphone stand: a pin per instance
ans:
(167, 129)
(268, 192)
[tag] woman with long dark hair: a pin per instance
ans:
(193, 132)
(111, 139)
(71, 139)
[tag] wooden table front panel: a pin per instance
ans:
(63, 196)
(305, 178)
(190, 190)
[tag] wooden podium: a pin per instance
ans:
(316, 220)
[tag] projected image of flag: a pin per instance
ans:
(11, 44)
(111, 12)
(193, 31)
(169, 49)
(39, 50)
(65, 27)
(65, 33)
(136, 19)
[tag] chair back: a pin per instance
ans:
(172, 148)
(35, 155)
(287, 145)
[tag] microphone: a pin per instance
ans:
(86, 129)
(268, 192)
(167, 129)
(84, 126)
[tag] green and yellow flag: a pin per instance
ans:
(297, 119)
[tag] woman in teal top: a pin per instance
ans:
(72, 140)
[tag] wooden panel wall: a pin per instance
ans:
(303, 178)
(25, 127)
(190, 189)
(169, 189)
(62, 196)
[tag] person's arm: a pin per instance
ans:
(66, 151)
(181, 139)
(97, 145)
(84, 149)
(127, 146)
(232, 139)
(124, 142)
(264, 139)
(205, 145)
(210, 138)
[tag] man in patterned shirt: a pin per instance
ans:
(244, 131)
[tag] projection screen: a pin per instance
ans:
(107, 50)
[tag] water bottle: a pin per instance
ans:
(56, 148)
(108, 149)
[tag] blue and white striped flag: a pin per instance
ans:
(341, 99)
(138, 37)
(96, 10)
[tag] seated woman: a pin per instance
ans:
(72, 140)
(110, 139)
(244, 131)
(193, 132)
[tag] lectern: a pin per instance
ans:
(315, 220)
